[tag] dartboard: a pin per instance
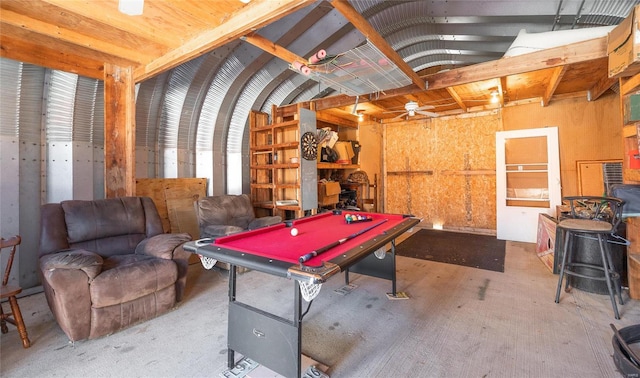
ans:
(309, 146)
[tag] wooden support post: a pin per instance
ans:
(119, 131)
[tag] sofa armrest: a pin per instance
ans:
(162, 246)
(169, 247)
(264, 221)
(215, 231)
(79, 259)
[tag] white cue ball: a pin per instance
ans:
(294, 232)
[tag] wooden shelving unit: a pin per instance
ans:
(282, 182)
(630, 175)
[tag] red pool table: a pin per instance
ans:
(341, 246)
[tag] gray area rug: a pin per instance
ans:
(477, 251)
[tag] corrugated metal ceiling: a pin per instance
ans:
(203, 104)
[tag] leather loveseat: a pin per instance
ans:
(106, 264)
(228, 214)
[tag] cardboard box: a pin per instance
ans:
(328, 193)
(345, 152)
(623, 46)
(631, 108)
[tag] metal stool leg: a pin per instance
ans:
(617, 278)
(567, 236)
(571, 238)
(605, 264)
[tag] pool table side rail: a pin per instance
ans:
(344, 261)
(309, 274)
(246, 260)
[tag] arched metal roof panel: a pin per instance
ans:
(148, 104)
(60, 106)
(175, 93)
(85, 104)
(10, 77)
(31, 97)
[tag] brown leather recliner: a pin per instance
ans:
(106, 264)
(228, 214)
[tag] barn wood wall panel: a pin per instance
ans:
(586, 131)
(173, 198)
(443, 170)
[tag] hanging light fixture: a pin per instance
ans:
(495, 97)
(360, 117)
(131, 7)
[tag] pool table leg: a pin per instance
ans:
(393, 262)
(374, 267)
(297, 317)
(232, 298)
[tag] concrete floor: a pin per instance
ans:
(458, 322)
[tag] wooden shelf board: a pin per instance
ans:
(337, 166)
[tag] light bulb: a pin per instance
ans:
(494, 97)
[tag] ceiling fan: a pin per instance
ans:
(412, 108)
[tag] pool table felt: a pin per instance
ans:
(314, 232)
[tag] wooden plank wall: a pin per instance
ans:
(586, 131)
(443, 169)
(174, 200)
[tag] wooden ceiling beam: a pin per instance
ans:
(568, 54)
(60, 35)
(456, 97)
(255, 15)
(34, 53)
(628, 85)
(345, 100)
(600, 86)
(102, 14)
(554, 80)
(502, 89)
(378, 41)
(273, 48)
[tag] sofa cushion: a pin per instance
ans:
(230, 210)
(127, 277)
(89, 220)
(215, 231)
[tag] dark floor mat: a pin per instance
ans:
(477, 251)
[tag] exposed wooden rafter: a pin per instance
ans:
(502, 88)
(554, 80)
(272, 48)
(457, 98)
(380, 43)
(498, 70)
(601, 86)
(629, 85)
(255, 15)
(568, 54)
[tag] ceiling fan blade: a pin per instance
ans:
(426, 107)
(401, 115)
(430, 114)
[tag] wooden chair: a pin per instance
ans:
(372, 201)
(10, 292)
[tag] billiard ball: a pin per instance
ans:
(294, 232)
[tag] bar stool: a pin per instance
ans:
(603, 215)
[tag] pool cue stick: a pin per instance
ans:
(336, 243)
